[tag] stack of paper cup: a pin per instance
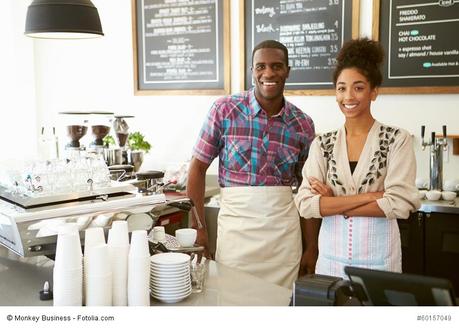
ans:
(68, 270)
(93, 237)
(98, 277)
(118, 247)
(139, 270)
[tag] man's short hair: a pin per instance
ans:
(271, 44)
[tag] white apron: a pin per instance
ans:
(259, 232)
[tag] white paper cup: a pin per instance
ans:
(67, 228)
(98, 290)
(118, 234)
(98, 261)
(119, 265)
(94, 236)
(68, 251)
(67, 287)
(139, 244)
(139, 281)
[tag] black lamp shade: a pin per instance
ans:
(63, 19)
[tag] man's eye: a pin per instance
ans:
(259, 67)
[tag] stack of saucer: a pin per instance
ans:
(170, 277)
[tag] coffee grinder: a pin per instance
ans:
(100, 128)
(121, 129)
(76, 127)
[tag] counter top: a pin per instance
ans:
(440, 206)
(21, 279)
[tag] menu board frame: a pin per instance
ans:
(223, 57)
(407, 88)
(244, 61)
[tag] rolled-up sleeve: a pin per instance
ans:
(308, 204)
(400, 193)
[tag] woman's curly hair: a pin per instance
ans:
(363, 54)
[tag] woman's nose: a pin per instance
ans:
(348, 94)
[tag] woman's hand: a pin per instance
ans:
(320, 188)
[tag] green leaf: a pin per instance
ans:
(137, 141)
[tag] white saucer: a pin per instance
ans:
(170, 259)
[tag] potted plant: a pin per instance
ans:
(138, 146)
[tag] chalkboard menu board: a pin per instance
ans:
(181, 47)
(421, 42)
(312, 30)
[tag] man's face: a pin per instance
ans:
(269, 72)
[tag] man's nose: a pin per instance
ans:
(269, 71)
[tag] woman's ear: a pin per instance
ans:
(374, 93)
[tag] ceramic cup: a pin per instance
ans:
(448, 195)
(433, 195)
(186, 237)
(422, 183)
(422, 194)
(451, 185)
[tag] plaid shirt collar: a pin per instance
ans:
(255, 108)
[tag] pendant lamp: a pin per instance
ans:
(63, 19)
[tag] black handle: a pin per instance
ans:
(433, 138)
(423, 131)
(444, 131)
(182, 205)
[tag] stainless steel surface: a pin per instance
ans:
(26, 201)
(440, 206)
(436, 166)
(437, 146)
(136, 159)
(21, 280)
(113, 156)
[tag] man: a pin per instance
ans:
(262, 142)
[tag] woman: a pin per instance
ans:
(359, 178)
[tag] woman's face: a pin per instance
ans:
(354, 93)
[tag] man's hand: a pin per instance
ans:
(318, 187)
(308, 261)
(203, 240)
